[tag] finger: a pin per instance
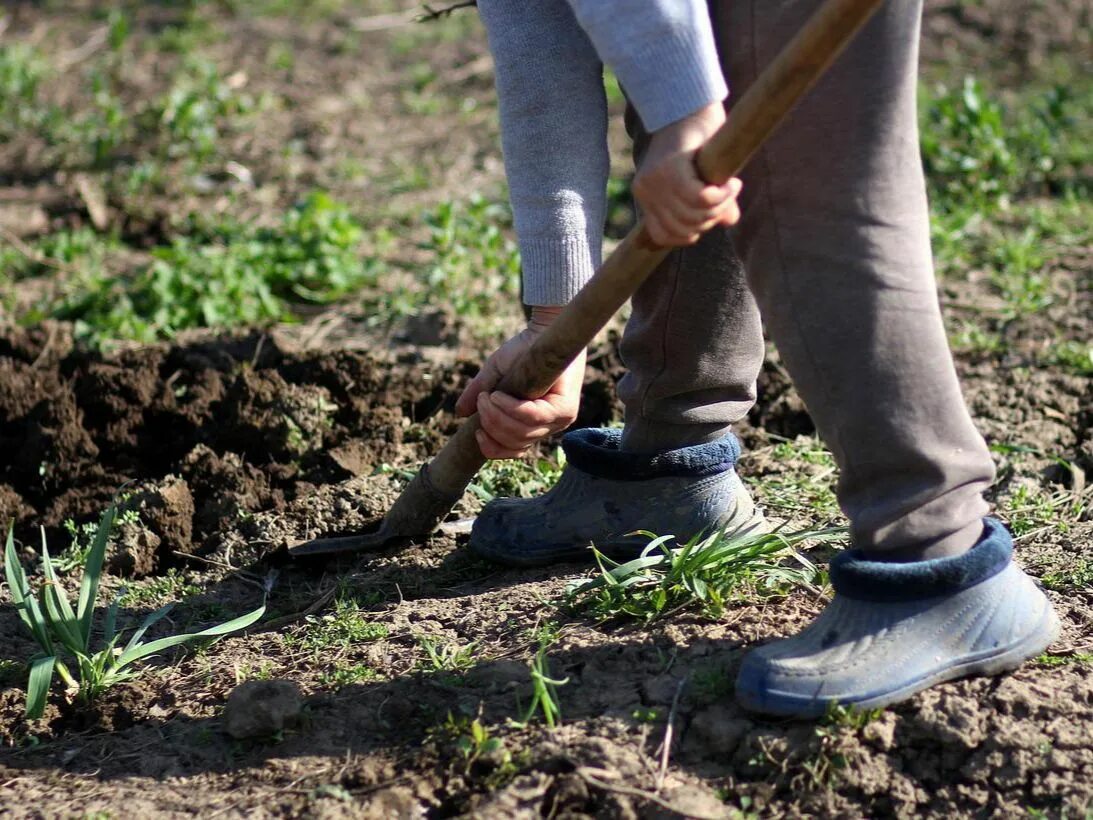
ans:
(676, 231)
(505, 430)
(492, 449)
(483, 382)
(530, 413)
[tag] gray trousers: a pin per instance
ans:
(833, 251)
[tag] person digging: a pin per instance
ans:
(825, 237)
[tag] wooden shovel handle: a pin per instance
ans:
(754, 116)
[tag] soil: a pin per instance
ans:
(227, 447)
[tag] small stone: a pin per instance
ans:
(261, 708)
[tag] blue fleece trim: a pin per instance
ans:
(596, 451)
(853, 576)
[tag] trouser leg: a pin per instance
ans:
(835, 240)
(693, 345)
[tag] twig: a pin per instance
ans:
(641, 794)
(382, 22)
(77, 55)
(669, 731)
(436, 14)
(210, 561)
(46, 347)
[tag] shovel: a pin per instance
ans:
(430, 496)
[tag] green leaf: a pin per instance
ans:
(133, 653)
(89, 584)
(151, 618)
(109, 624)
(38, 681)
(21, 596)
(62, 618)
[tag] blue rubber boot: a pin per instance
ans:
(605, 494)
(894, 629)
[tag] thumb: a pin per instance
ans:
(484, 382)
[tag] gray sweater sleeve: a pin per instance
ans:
(547, 57)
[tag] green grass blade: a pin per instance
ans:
(89, 584)
(23, 598)
(152, 618)
(109, 624)
(38, 681)
(62, 618)
(133, 653)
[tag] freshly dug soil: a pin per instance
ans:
(235, 446)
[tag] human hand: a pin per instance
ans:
(509, 426)
(678, 206)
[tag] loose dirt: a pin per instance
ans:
(225, 448)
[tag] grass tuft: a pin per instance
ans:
(704, 574)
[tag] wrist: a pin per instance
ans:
(542, 316)
(693, 129)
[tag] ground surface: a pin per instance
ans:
(415, 664)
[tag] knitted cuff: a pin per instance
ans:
(555, 269)
(595, 451)
(853, 576)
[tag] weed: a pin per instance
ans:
(340, 628)
(518, 478)
(21, 72)
(976, 154)
(711, 683)
(1074, 355)
(808, 482)
(83, 539)
(850, 717)
(1079, 658)
(646, 714)
(544, 696)
(62, 631)
(191, 115)
(475, 262)
(344, 674)
(445, 657)
(234, 275)
(171, 585)
(1078, 575)
(703, 573)
(264, 671)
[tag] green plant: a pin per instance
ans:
(978, 154)
(171, 584)
(475, 262)
(21, 71)
(445, 657)
(544, 689)
(228, 276)
(1079, 575)
(1079, 658)
(343, 674)
(340, 628)
(518, 478)
(806, 482)
(1075, 355)
(63, 631)
(703, 573)
(78, 551)
(191, 116)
